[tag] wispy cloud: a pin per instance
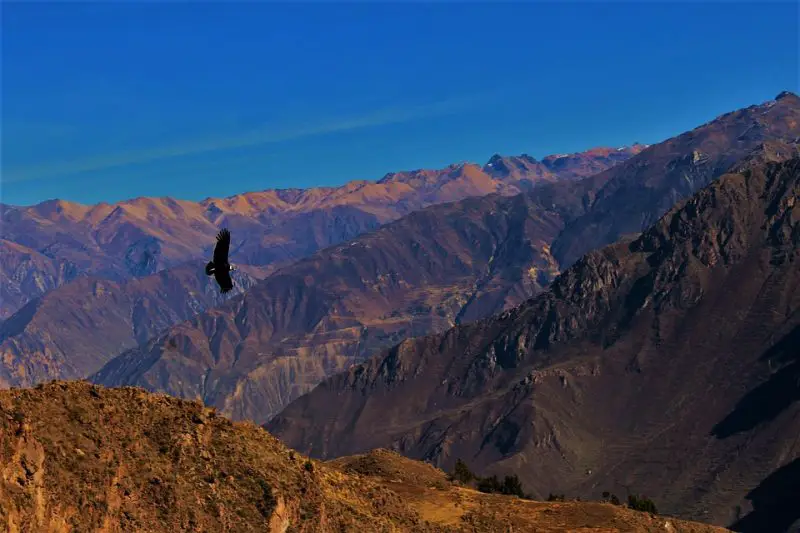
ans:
(255, 137)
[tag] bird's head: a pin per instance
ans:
(231, 268)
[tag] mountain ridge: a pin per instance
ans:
(436, 266)
(270, 228)
(632, 198)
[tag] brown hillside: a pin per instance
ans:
(666, 366)
(74, 457)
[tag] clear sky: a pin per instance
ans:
(107, 101)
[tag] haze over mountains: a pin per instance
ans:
(666, 365)
(419, 275)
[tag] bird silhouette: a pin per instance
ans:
(219, 266)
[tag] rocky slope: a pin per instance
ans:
(25, 272)
(271, 228)
(425, 272)
(75, 329)
(318, 317)
(630, 197)
(667, 365)
(582, 165)
(74, 457)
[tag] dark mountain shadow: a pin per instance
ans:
(776, 503)
(768, 400)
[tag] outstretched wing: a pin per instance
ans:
(221, 250)
(224, 280)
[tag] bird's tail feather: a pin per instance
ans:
(210, 268)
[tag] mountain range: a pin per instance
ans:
(53, 337)
(48, 244)
(440, 266)
(666, 364)
(71, 331)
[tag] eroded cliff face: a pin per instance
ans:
(640, 356)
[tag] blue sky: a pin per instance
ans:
(107, 101)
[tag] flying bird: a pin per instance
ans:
(219, 266)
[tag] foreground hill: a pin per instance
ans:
(448, 264)
(667, 365)
(76, 458)
(270, 228)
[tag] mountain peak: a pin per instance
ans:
(786, 94)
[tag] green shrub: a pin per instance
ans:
(610, 498)
(642, 504)
(489, 484)
(555, 497)
(510, 485)
(462, 473)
